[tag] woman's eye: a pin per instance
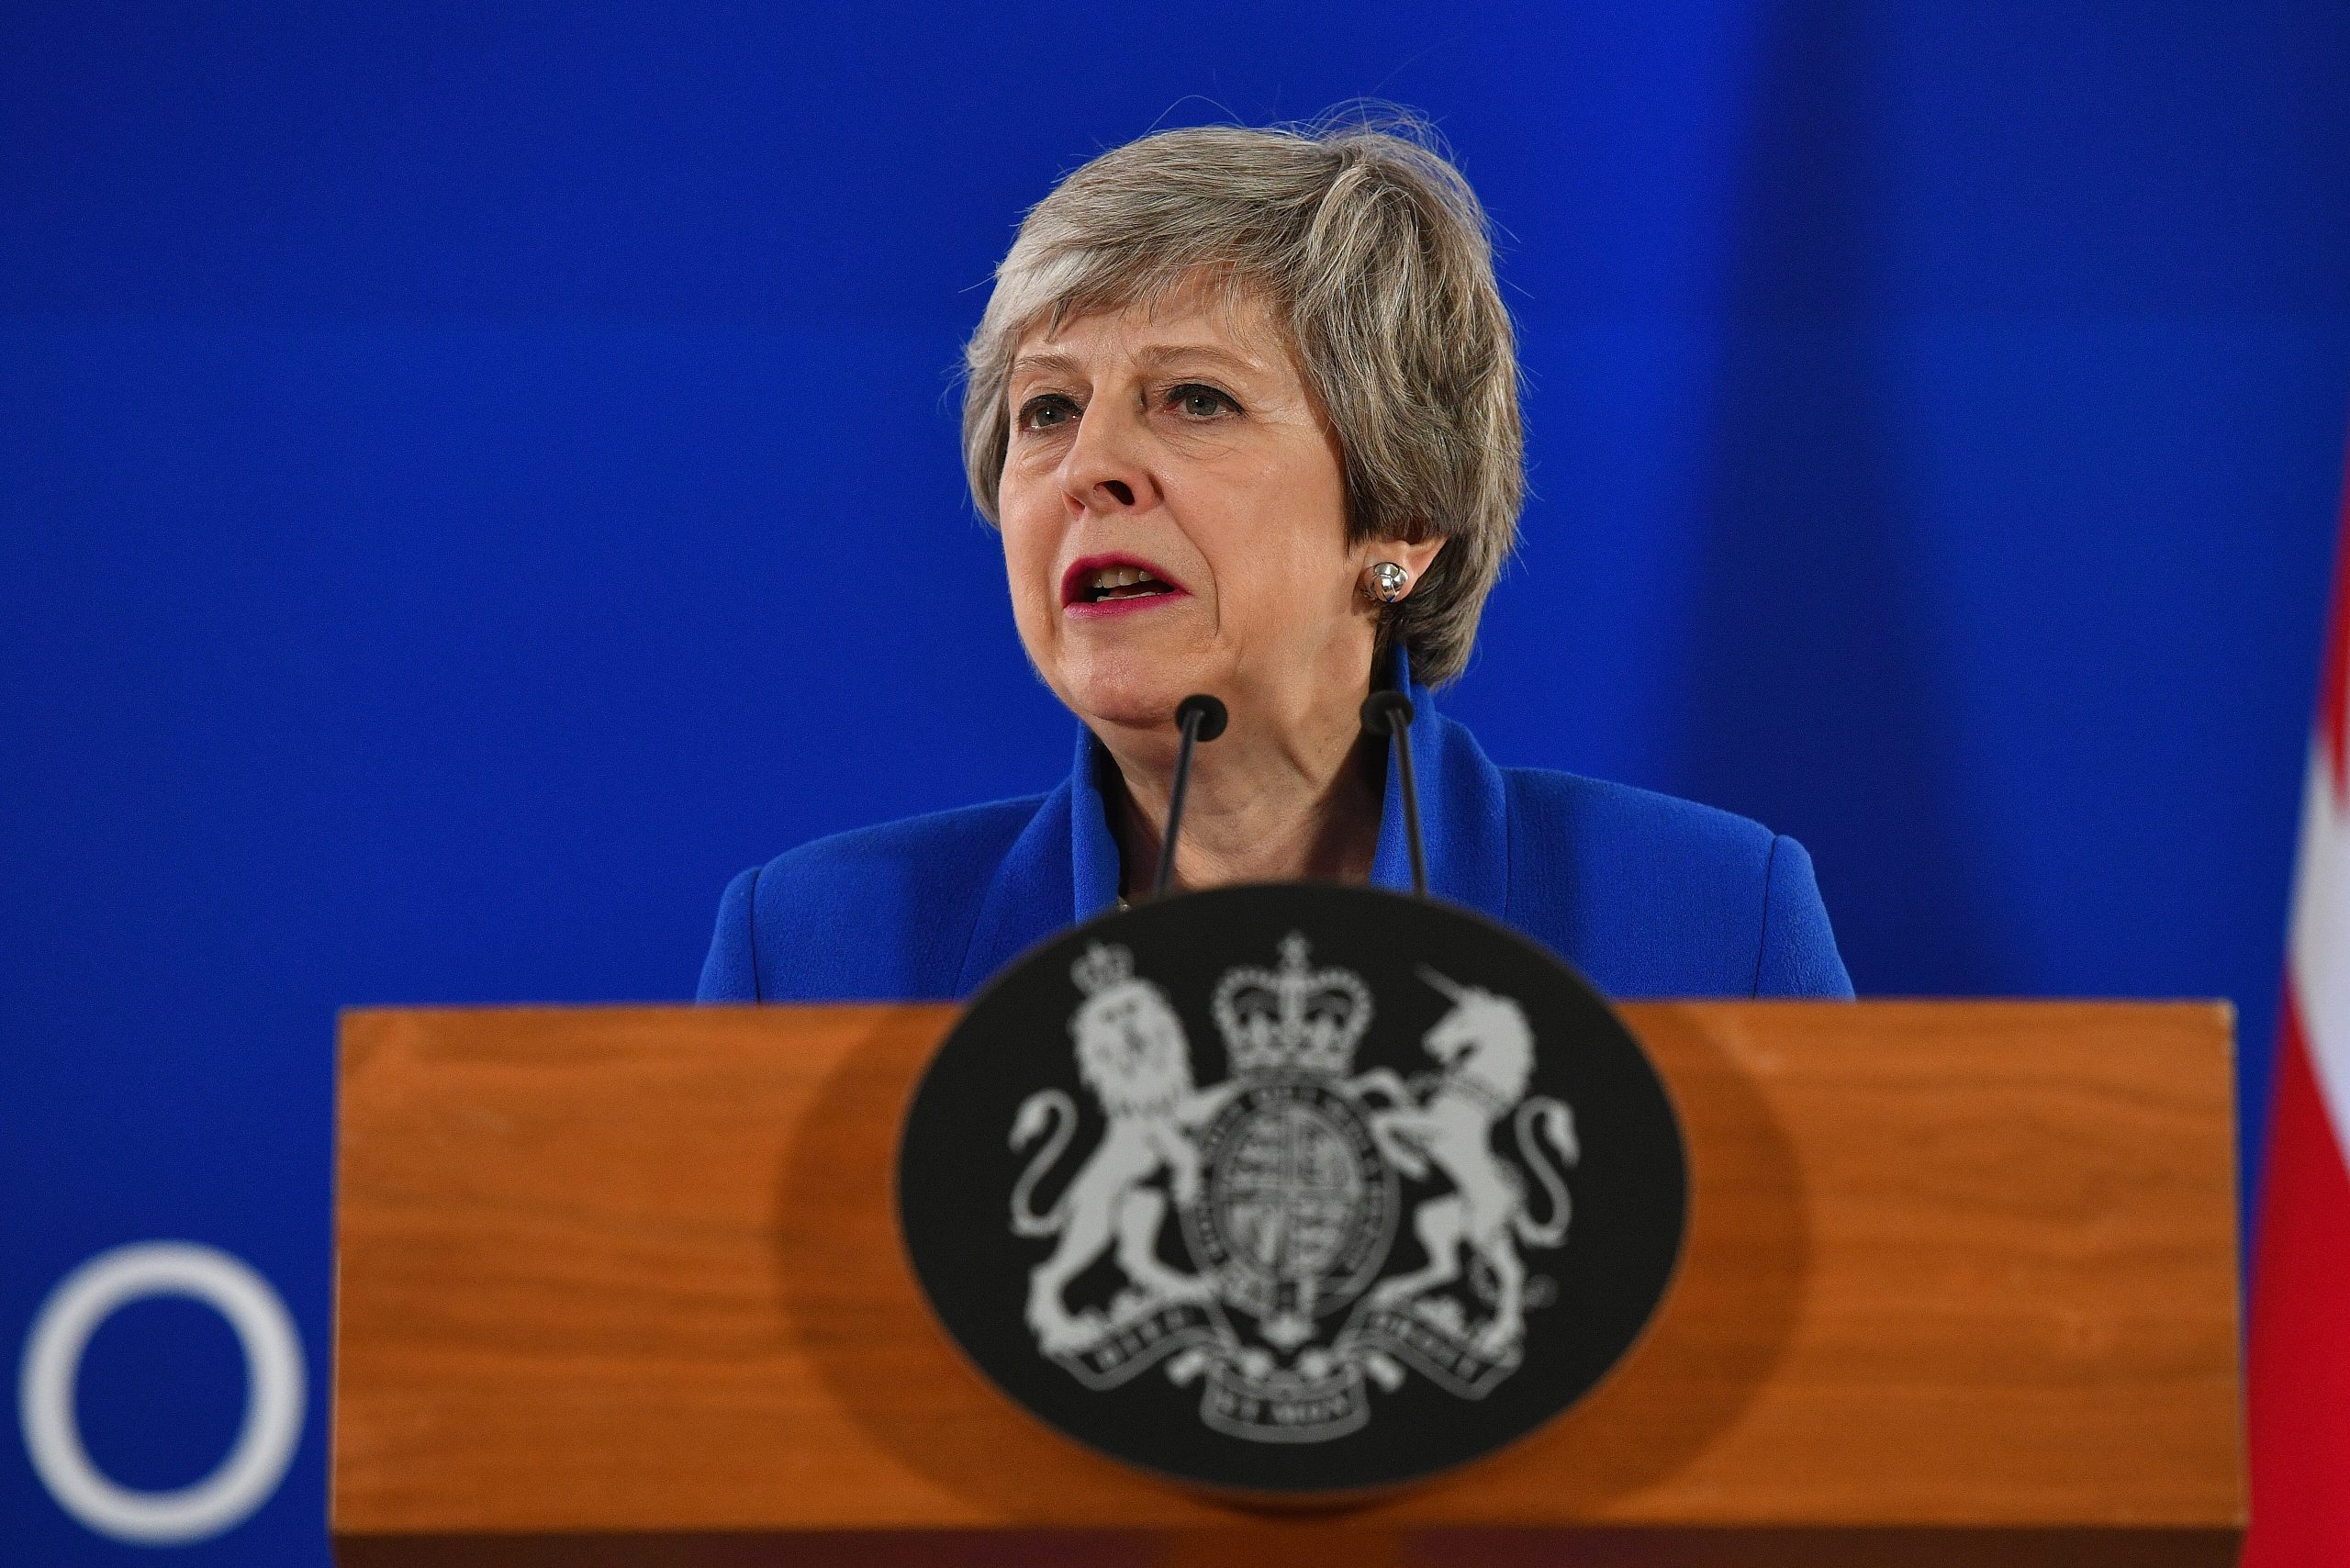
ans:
(1198, 402)
(1048, 412)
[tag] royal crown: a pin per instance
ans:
(1104, 965)
(1293, 1019)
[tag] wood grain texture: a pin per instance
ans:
(1965, 1270)
(1317, 1546)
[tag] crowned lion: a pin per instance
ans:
(1131, 1051)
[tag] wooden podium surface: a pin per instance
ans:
(624, 1285)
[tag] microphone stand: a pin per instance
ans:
(1201, 718)
(1390, 713)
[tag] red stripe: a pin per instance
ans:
(2298, 1414)
(2333, 675)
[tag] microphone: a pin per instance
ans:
(1201, 718)
(1390, 713)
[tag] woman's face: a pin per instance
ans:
(1174, 519)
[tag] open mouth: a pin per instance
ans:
(1120, 582)
(1113, 582)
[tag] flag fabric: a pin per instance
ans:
(2297, 1418)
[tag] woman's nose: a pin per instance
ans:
(1103, 472)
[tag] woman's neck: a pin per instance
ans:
(1296, 802)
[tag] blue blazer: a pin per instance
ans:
(1647, 895)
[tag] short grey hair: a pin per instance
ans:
(1373, 256)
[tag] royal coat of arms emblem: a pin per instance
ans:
(1296, 1189)
(1283, 1181)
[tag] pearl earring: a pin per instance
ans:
(1388, 581)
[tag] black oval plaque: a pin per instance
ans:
(1298, 1188)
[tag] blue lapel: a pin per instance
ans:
(1464, 812)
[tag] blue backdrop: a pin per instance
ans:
(469, 486)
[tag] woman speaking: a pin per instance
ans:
(1244, 408)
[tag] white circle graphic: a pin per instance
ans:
(61, 1332)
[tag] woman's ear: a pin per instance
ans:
(1419, 555)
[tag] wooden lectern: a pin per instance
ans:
(624, 1286)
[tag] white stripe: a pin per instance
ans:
(2321, 940)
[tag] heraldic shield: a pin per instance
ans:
(1293, 1189)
